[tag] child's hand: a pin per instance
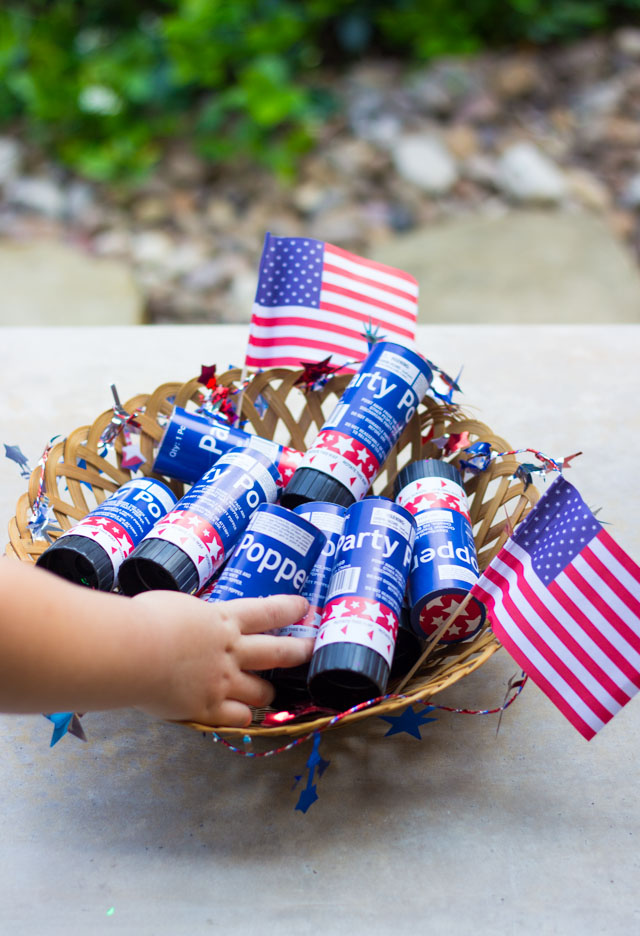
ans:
(200, 653)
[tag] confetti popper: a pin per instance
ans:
(192, 443)
(92, 552)
(363, 428)
(353, 650)
(291, 684)
(189, 544)
(444, 565)
(273, 557)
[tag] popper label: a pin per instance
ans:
(367, 422)
(208, 521)
(369, 578)
(125, 517)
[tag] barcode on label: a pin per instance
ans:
(346, 580)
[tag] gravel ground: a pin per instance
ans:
(558, 128)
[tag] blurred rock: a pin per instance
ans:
(341, 226)
(150, 209)
(184, 167)
(599, 100)
(481, 169)
(526, 174)
(152, 248)
(461, 140)
(627, 41)
(631, 195)
(621, 131)
(426, 162)
(47, 283)
(479, 108)
(214, 273)
(113, 242)
(81, 205)
(588, 190)
(622, 223)
(37, 193)
(220, 213)
(517, 77)
(526, 266)
(10, 159)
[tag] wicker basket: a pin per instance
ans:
(76, 478)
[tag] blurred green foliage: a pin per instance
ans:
(103, 84)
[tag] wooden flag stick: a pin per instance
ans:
(433, 640)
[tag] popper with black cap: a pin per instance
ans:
(92, 552)
(368, 420)
(291, 683)
(445, 563)
(193, 442)
(354, 648)
(273, 557)
(184, 550)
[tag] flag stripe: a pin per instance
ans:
(266, 336)
(343, 286)
(615, 612)
(368, 287)
(348, 305)
(550, 647)
(380, 271)
(599, 629)
(612, 581)
(302, 342)
(326, 318)
(534, 664)
(630, 567)
(592, 663)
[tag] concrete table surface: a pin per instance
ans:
(150, 828)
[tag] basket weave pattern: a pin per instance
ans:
(76, 478)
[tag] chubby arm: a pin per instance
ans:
(67, 648)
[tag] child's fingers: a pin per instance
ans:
(229, 714)
(264, 652)
(251, 689)
(258, 615)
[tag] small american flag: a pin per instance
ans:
(314, 300)
(564, 600)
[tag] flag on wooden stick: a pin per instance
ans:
(564, 600)
(315, 300)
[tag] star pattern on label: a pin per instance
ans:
(439, 609)
(364, 610)
(113, 529)
(433, 500)
(350, 449)
(194, 526)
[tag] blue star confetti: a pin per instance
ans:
(14, 453)
(309, 794)
(64, 722)
(409, 721)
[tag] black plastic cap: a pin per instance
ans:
(426, 468)
(290, 685)
(344, 674)
(157, 565)
(79, 559)
(308, 485)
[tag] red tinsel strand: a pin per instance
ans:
(358, 708)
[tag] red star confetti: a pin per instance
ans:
(315, 375)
